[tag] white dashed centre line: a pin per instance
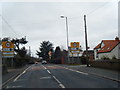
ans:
(48, 71)
(60, 84)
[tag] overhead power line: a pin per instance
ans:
(102, 6)
(11, 28)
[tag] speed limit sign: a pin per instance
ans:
(7, 44)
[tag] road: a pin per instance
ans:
(58, 76)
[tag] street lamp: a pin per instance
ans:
(67, 35)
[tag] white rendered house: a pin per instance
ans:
(107, 48)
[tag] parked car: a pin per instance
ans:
(44, 62)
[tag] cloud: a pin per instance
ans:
(41, 21)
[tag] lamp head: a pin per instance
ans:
(62, 16)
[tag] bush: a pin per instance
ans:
(114, 57)
(105, 58)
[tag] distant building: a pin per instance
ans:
(90, 54)
(107, 48)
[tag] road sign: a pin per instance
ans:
(6, 44)
(75, 52)
(7, 49)
(75, 47)
(74, 44)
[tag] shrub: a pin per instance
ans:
(114, 57)
(105, 58)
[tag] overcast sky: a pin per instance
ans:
(40, 21)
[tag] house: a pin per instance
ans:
(107, 48)
(90, 54)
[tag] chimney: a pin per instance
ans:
(117, 38)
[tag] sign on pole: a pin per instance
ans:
(74, 44)
(75, 47)
(7, 49)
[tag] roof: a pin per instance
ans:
(109, 45)
(98, 46)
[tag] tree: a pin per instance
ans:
(22, 52)
(57, 55)
(44, 48)
(6, 39)
(19, 58)
(17, 43)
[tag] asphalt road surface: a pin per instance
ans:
(56, 76)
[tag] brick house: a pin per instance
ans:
(107, 48)
(90, 54)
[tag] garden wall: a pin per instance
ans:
(108, 64)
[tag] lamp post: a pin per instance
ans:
(67, 35)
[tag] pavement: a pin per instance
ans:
(105, 73)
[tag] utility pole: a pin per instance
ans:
(86, 41)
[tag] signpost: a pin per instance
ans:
(8, 50)
(75, 49)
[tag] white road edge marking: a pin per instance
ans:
(8, 80)
(75, 70)
(21, 74)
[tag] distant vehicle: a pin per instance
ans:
(36, 62)
(44, 62)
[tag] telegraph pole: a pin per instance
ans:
(86, 41)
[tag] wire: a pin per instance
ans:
(10, 26)
(99, 7)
